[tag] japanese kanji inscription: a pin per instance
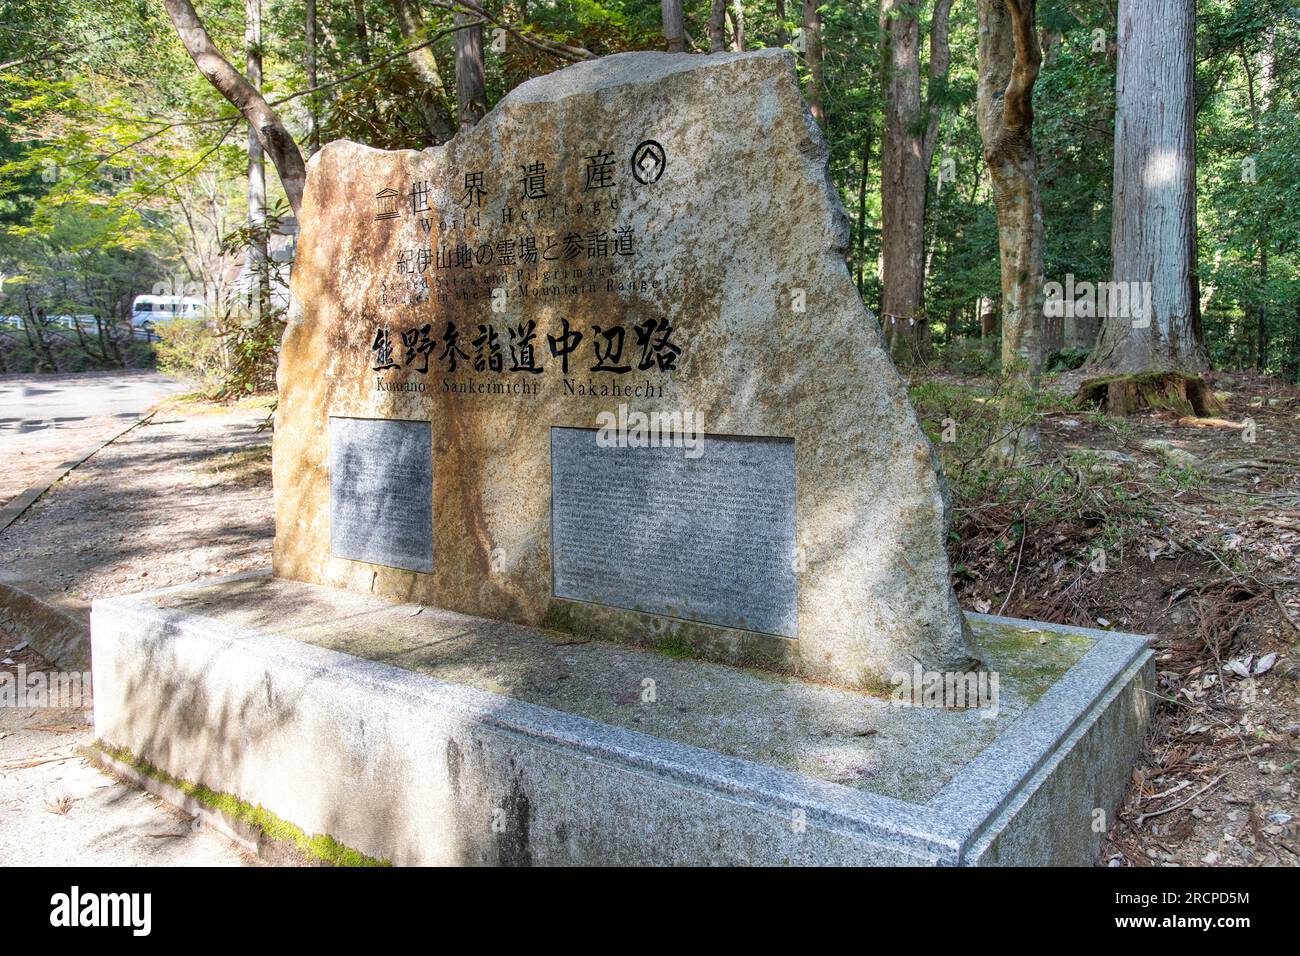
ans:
(607, 245)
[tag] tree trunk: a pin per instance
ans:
(433, 101)
(259, 287)
(907, 148)
(363, 30)
(782, 35)
(1009, 59)
(863, 169)
(738, 20)
(718, 26)
(1291, 360)
(1261, 303)
(309, 40)
(471, 82)
(812, 37)
(40, 344)
(269, 129)
(674, 29)
(1154, 205)
(1261, 312)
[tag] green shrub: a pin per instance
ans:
(1065, 360)
(192, 349)
(973, 356)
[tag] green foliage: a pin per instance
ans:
(971, 356)
(191, 349)
(1248, 94)
(1064, 360)
(121, 168)
(676, 646)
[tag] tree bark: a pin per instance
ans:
(782, 35)
(309, 40)
(988, 316)
(812, 37)
(1009, 60)
(863, 169)
(363, 30)
(1261, 304)
(433, 104)
(269, 129)
(738, 21)
(257, 257)
(1154, 204)
(718, 26)
(471, 83)
(907, 149)
(674, 27)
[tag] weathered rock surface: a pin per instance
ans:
(685, 201)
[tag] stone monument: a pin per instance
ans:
(597, 250)
(577, 412)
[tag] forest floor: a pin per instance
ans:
(1183, 528)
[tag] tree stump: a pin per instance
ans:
(1160, 391)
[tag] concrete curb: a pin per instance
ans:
(411, 768)
(57, 626)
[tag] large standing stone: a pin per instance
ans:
(675, 212)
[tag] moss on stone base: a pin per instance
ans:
(317, 847)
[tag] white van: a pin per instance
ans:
(150, 311)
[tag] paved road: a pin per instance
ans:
(46, 419)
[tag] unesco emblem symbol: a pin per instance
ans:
(648, 162)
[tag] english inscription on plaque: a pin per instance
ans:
(655, 529)
(381, 492)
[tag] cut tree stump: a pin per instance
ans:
(1162, 391)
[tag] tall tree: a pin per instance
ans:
(362, 28)
(309, 41)
(812, 45)
(907, 149)
(268, 128)
(471, 83)
(1258, 101)
(1153, 219)
(674, 26)
(258, 258)
(1009, 60)
(433, 101)
(718, 26)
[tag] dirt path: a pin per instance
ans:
(183, 497)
